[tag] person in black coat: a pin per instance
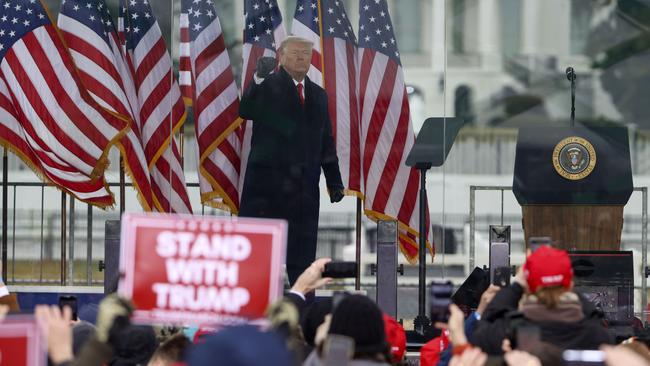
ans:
(542, 295)
(292, 140)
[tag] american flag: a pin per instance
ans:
(391, 187)
(334, 66)
(207, 80)
(48, 118)
(91, 36)
(161, 108)
(263, 33)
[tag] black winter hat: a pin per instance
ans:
(137, 343)
(314, 317)
(358, 317)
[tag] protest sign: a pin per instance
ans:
(192, 269)
(20, 342)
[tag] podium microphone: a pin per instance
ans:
(571, 76)
(570, 73)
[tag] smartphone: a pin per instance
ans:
(528, 337)
(499, 257)
(70, 301)
(501, 276)
(574, 357)
(340, 270)
(535, 242)
(337, 350)
(439, 301)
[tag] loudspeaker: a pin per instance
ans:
(111, 255)
(606, 278)
(387, 267)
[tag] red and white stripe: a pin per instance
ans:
(49, 119)
(341, 86)
(184, 61)
(104, 72)
(391, 187)
(162, 113)
(334, 67)
(206, 78)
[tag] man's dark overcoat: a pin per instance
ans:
(290, 144)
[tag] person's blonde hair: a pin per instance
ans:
(550, 296)
(294, 39)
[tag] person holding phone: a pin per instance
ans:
(360, 319)
(542, 295)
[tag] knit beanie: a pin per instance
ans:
(360, 318)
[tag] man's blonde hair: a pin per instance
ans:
(294, 39)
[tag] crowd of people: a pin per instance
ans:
(532, 321)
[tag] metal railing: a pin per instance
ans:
(644, 231)
(66, 218)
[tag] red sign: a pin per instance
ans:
(193, 269)
(20, 343)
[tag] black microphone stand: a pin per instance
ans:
(431, 148)
(571, 75)
(422, 323)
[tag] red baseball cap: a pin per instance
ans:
(547, 267)
(396, 337)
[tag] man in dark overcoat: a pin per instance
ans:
(292, 140)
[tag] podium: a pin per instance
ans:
(572, 184)
(431, 148)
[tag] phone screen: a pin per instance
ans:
(70, 301)
(536, 242)
(528, 337)
(439, 300)
(337, 350)
(583, 357)
(501, 276)
(337, 297)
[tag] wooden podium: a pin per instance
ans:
(572, 184)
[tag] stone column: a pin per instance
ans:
(489, 33)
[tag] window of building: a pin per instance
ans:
(458, 26)
(581, 13)
(287, 14)
(510, 26)
(407, 20)
(463, 103)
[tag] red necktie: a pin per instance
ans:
(302, 99)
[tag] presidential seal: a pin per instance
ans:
(574, 158)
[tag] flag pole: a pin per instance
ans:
(171, 105)
(320, 38)
(357, 280)
(122, 186)
(5, 199)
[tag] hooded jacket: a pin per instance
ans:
(574, 324)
